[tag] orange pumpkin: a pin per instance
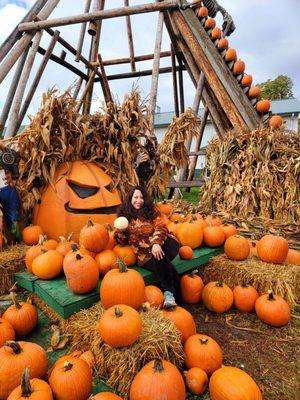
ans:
(216, 33)
(202, 12)
(31, 234)
(31, 254)
(229, 230)
(106, 260)
(213, 220)
(217, 297)
(196, 380)
(89, 358)
(254, 92)
(120, 326)
(185, 252)
(244, 297)
(48, 265)
(157, 380)
(263, 106)
(6, 332)
(213, 236)
(223, 44)
(165, 207)
(191, 288)
(275, 121)
(293, 257)
(237, 248)
(190, 234)
(210, 23)
(22, 316)
(82, 274)
(122, 286)
(183, 320)
(49, 244)
(247, 80)
(230, 55)
(228, 383)
(176, 217)
(65, 245)
(111, 238)
(173, 227)
(203, 352)
(93, 237)
(71, 255)
(272, 249)
(154, 296)
(238, 67)
(14, 357)
(273, 309)
(105, 396)
(126, 254)
(81, 190)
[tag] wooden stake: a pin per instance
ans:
(82, 30)
(77, 88)
(174, 79)
(155, 74)
(180, 81)
(86, 89)
(12, 90)
(127, 60)
(130, 40)
(107, 92)
(37, 78)
(22, 44)
(137, 74)
(105, 14)
(13, 118)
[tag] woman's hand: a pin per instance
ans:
(157, 252)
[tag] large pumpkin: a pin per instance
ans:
(81, 191)
(217, 297)
(183, 320)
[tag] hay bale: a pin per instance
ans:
(283, 279)
(11, 261)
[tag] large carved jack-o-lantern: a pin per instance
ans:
(82, 191)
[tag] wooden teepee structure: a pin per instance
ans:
(192, 49)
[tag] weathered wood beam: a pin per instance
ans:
(105, 14)
(82, 30)
(126, 60)
(130, 40)
(86, 90)
(106, 92)
(137, 74)
(37, 78)
(15, 34)
(185, 184)
(77, 88)
(22, 44)
(155, 74)
(174, 81)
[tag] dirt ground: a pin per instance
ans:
(270, 355)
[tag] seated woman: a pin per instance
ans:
(149, 237)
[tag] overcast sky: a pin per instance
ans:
(266, 38)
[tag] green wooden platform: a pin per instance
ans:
(61, 299)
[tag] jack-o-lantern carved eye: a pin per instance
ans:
(109, 187)
(83, 191)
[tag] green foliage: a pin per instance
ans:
(277, 89)
(193, 196)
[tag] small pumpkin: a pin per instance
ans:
(111, 238)
(122, 286)
(176, 217)
(154, 296)
(31, 254)
(213, 220)
(196, 380)
(275, 121)
(105, 396)
(293, 257)
(94, 237)
(14, 357)
(191, 287)
(71, 377)
(183, 320)
(89, 358)
(173, 227)
(216, 33)
(273, 309)
(6, 332)
(213, 236)
(186, 252)
(166, 382)
(263, 106)
(190, 234)
(48, 265)
(247, 80)
(230, 55)
(217, 297)
(254, 92)
(202, 12)
(120, 326)
(121, 223)
(229, 230)
(65, 245)
(82, 274)
(75, 249)
(244, 297)
(31, 234)
(35, 389)
(228, 383)
(272, 249)
(223, 44)
(106, 260)
(237, 248)
(238, 67)
(210, 23)
(49, 244)
(203, 352)
(126, 254)
(22, 316)
(165, 207)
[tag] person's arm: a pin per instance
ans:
(121, 236)
(160, 233)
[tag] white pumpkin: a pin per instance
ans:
(121, 223)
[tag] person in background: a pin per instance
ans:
(149, 237)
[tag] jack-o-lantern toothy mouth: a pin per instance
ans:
(100, 210)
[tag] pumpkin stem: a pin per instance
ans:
(68, 366)
(70, 236)
(193, 273)
(90, 223)
(74, 247)
(270, 295)
(108, 227)
(244, 284)
(158, 366)
(219, 283)
(41, 240)
(15, 300)
(79, 257)
(26, 390)
(193, 218)
(203, 341)
(15, 346)
(118, 312)
(122, 265)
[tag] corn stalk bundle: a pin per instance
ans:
(255, 175)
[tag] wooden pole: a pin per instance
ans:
(12, 90)
(137, 74)
(13, 118)
(181, 89)
(82, 31)
(86, 89)
(15, 34)
(22, 44)
(155, 74)
(105, 14)
(107, 92)
(37, 78)
(127, 60)
(174, 79)
(77, 88)
(130, 40)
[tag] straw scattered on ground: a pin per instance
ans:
(11, 261)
